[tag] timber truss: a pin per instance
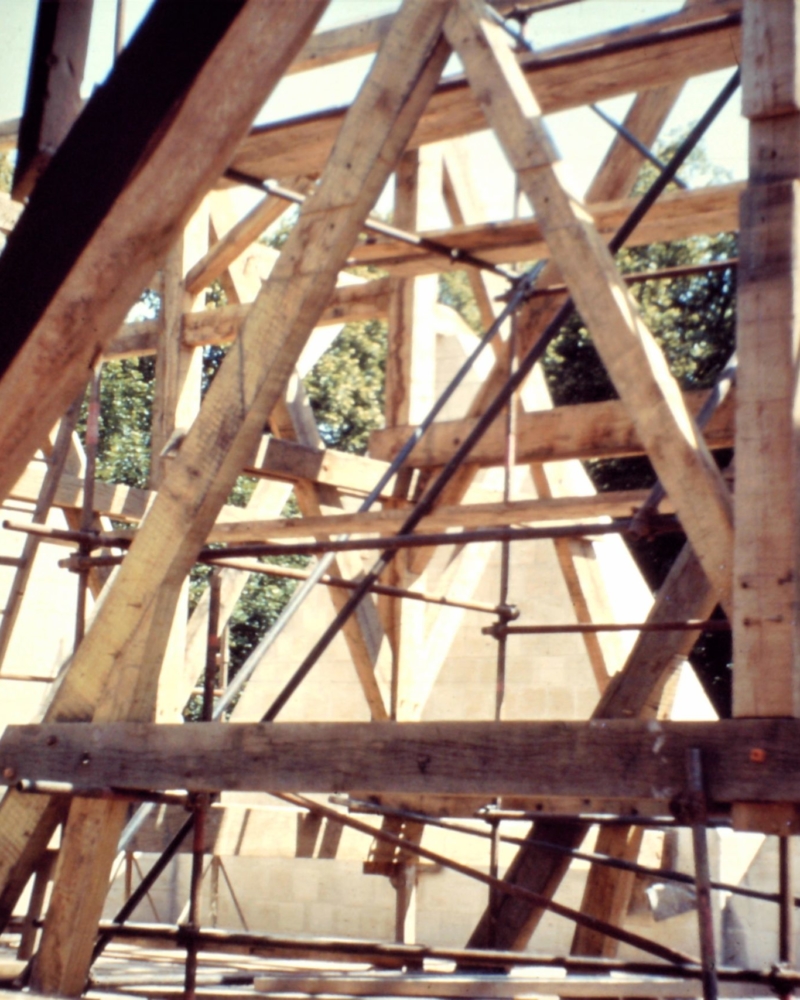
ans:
(133, 191)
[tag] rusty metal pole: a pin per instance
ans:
(705, 916)
(786, 924)
(87, 508)
(202, 801)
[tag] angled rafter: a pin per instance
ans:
(632, 358)
(235, 408)
(633, 692)
(294, 418)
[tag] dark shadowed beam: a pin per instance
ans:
(53, 99)
(148, 145)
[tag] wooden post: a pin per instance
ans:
(410, 393)
(766, 642)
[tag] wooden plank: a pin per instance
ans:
(410, 392)
(581, 430)
(237, 239)
(633, 360)
(618, 758)
(130, 627)
(607, 892)
(118, 200)
(362, 38)
(678, 47)
(487, 985)
(621, 503)
(178, 369)
(281, 459)
(53, 100)
(766, 679)
(676, 215)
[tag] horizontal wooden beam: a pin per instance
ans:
(348, 304)
(286, 460)
(650, 54)
(675, 216)
(622, 503)
(124, 503)
(362, 38)
(491, 985)
(584, 430)
(743, 759)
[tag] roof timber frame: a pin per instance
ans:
(106, 681)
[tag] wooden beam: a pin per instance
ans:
(633, 360)
(410, 392)
(348, 304)
(607, 892)
(766, 678)
(125, 643)
(53, 100)
(620, 168)
(616, 758)
(676, 215)
(621, 503)
(119, 199)
(238, 238)
(656, 53)
(579, 430)
(178, 368)
(362, 38)
(491, 985)
(281, 459)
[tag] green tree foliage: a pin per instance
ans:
(346, 386)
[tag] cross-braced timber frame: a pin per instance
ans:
(136, 183)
